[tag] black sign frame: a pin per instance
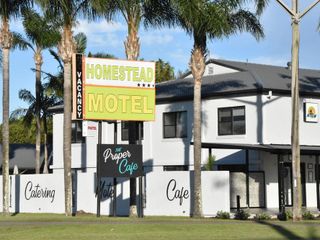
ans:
(120, 160)
(79, 87)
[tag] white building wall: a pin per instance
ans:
(268, 121)
(44, 193)
(215, 69)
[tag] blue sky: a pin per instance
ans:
(174, 46)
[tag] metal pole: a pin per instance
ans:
(98, 169)
(140, 178)
(247, 178)
(317, 181)
(280, 185)
(115, 179)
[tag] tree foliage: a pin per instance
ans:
(19, 133)
(164, 71)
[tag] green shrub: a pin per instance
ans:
(242, 215)
(223, 215)
(286, 216)
(262, 216)
(308, 216)
(289, 214)
(210, 163)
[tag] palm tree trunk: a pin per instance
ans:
(45, 142)
(197, 65)
(38, 61)
(296, 174)
(6, 41)
(66, 48)
(132, 49)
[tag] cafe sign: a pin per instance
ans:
(120, 160)
(108, 89)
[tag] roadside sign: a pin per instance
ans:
(108, 89)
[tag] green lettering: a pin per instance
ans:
(95, 102)
(115, 71)
(135, 74)
(150, 75)
(121, 73)
(90, 71)
(106, 72)
(98, 71)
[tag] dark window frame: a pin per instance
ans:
(232, 121)
(177, 168)
(75, 137)
(123, 136)
(175, 125)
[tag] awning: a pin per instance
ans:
(271, 148)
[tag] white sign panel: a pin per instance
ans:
(119, 73)
(174, 193)
(311, 112)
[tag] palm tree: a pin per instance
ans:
(67, 11)
(8, 9)
(164, 71)
(31, 113)
(55, 81)
(42, 32)
(134, 12)
(203, 20)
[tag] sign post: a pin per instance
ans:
(112, 89)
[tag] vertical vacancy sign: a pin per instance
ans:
(109, 89)
(77, 87)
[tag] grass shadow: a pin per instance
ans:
(312, 235)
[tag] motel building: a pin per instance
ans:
(246, 126)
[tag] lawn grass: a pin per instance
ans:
(51, 226)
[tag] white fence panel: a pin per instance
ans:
(170, 193)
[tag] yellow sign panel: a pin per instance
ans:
(116, 90)
(116, 103)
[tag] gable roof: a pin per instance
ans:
(251, 79)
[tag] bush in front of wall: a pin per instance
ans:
(285, 216)
(262, 216)
(242, 215)
(223, 215)
(308, 216)
(289, 214)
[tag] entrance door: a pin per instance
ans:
(287, 184)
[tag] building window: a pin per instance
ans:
(232, 121)
(77, 132)
(210, 71)
(175, 125)
(125, 131)
(176, 168)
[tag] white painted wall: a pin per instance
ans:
(28, 193)
(217, 69)
(172, 196)
(268, 121)
(36, 193)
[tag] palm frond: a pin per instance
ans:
(18, 113)
(20, 42)
(42, 31)
(246, 21)
(57, 58)
(81, 42)
(26, 96)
